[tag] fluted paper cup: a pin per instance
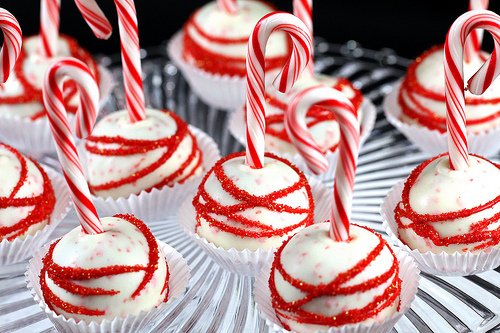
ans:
(408, 273)
(456, 264)
(237, 127)
(15, 251)
(220, 91)
(157, 204)
(433, 142)
(34, 137)
(248, 262)
(179, 278)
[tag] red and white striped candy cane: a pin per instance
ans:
(12, 42)
(130, 49)
(346, 115)
(303, 9)
(255, 63)
(77, 71)
(229, 6)
(49, 26)
(473, 44)
(454, 78)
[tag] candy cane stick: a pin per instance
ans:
(229, 6)
(131, 53)
(473, 44)
(255, 108)
(346, 115)
(303, 9)
(454, 78)
(49, 26)
(73, 69)
(12, 42)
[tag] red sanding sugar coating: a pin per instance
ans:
(33, 94)
(334, 288)
(317, 113)
(425, 116)
(422, 223)
(217, 63)
(132, 147)
(67, 277)
(247, 201)
(42, 205)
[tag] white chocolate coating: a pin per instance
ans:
(438, 189)
(217, 23)
(326, 133)
(10, 173)
(430, 74)
(313, 257)
(157, 125)
(120, 244)
(275, 175)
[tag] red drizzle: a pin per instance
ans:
(295, 312)
(43, 204)
(269, 201)
(425, 116)
(129, 147)
(316, 113)
(217, 63)
(33, 94)
(67, 277)
(421, 224)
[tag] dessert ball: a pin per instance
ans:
(125, 158)
(445, 210)
(317, 282)
(116, 273)
(244, 208)
(216, 41)
(321, 122)
(27, 198)
(21, 95)
(421, 96)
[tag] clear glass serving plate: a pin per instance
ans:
(218, 301)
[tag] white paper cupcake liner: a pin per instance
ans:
(15, 251)
(220, 91)
(445, 264)
(408, 273)
(248, 262)
(179, 279)
(237, 128)
(158, 204)
(434, 142)
(34, 138)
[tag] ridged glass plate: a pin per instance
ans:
(218, 301)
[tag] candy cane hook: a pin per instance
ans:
(347, 118)
(255, 64)
(303, 9)
(77, 71)
(12, 42)
(473, 43)
(454, 78)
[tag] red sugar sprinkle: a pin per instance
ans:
(65, 277)
(269, 201)
(421, 223)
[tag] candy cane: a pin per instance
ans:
(303, 10)
(229, 6)
(346, 115)
(130, 49)
(454, 78)
(12, 42)
(49, 26)
(73, 69)
(473, 44)
(255, 109)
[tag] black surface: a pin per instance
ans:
(409, 27)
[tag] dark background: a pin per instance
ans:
(407, 26)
